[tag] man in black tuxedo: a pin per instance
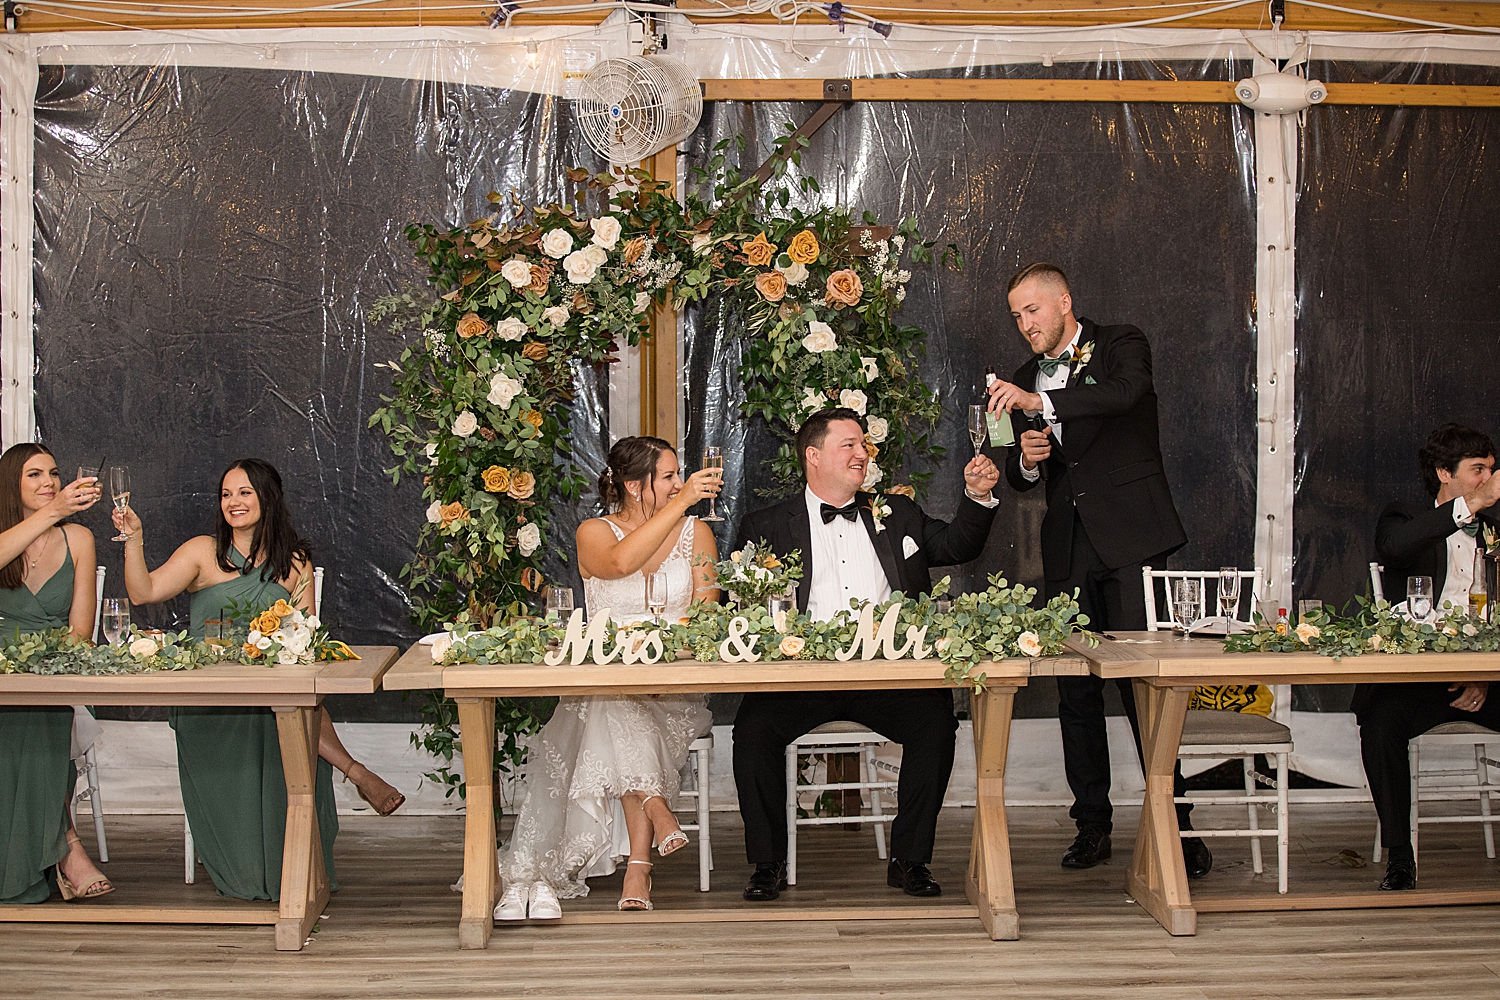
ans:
(1437, 540)
(848, 557)
(1084, 412)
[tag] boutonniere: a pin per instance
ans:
(879, 509)
(1085, 354)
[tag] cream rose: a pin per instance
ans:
(873, 475)
(528, 538)
(819, 338)
(511, 328)
(580, 267)
(793, 645)
(144, 647)
(642, 302)
(517, 272)
(465, 424)
(702, 242)
(597, 254)
(1375, 642)
(435, 513)
(440, 647)
(556, 315)
(1307, 633)
(432, 453)
(606, 231)
(812, 399)
(503, 389)
(871, 367)
(877, 428)
(557, 244)
(1029, 643)
(794, 273)
(854, 399)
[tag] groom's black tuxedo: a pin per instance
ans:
(921, 721)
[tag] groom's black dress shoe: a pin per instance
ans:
(1196, 857)
(1400, 875)
(1090, 847)
(912, 878)
(766, 882)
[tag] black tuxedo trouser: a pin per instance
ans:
(1114, 600)
(921, 721)
(1396, 714)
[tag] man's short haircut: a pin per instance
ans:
(1446, 448)
(1041, 269)
(814, 432)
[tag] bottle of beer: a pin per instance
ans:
(1479, 594)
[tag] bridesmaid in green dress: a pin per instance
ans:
(229, 759)
(46, 582)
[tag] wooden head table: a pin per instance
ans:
(293, 692)
(1165, 670)
(476, 686)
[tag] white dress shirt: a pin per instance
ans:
(1461, 550)
(1058, 380)
(843, 563)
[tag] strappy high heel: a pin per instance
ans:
(84, 890)
(672, 842)
(640, 904)
(389, 803)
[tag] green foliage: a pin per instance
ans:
(1373, 628)
(59, 651)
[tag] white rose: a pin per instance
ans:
(254, 637)
(1307, 632)
(596, 254)
(144, 647)
(285, 657)
(642, 302)
(854, 399)
(432, 452)
(503, 389)
(606, 231)
(873, 475)
(528, 538)
(581, 269)
(1029, 644)
(440, 647)
(702, 242)
(557, 244)
(871, 367)
(517, 272)
(877, 428)
(812, 399)
(465, 424)
(819, 338)
(511, 328)
(264, 642)
(556, 315)
(297, 638)
(795, 273)
(435, 513)
(313, 622)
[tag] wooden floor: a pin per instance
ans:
(392, 929)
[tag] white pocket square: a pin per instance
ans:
(909, 547)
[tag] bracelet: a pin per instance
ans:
(970, 494)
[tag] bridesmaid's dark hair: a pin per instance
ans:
(11, 511)
(631, 460)
(274, 535)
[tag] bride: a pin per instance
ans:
(602, 774)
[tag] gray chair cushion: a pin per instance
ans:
(1205, 727)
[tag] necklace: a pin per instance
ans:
(32, 561)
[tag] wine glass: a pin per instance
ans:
(1187, 599)
(559, 601)
(115, 618)
(656, 594)
(713, 458)
(1419, 597)
(119, 491)
(1229, 592)
(977, 427)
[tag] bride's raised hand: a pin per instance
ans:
(127, 521)
(700, 485)
(77, 496)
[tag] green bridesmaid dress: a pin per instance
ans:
(229, 763)
(36, 774)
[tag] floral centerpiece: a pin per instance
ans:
(283, 634)
(755, 573)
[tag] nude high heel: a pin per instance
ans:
(672, 842)
(636, 901)
(90, 890)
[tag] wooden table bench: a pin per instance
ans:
(474, 687)
(1165, 669)
(292, 692)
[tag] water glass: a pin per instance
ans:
(781, 607)
(115, 618)
(1229, 592)
(1305, 608)
(1187, 602)
(1419, 597)
(559, 601)
(218, 631)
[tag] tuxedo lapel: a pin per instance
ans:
(799, 530)
(882, 542)
(1079, 434)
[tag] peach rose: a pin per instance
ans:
(453, 512)
(496, 479)
(871, 448)
(905, 489)
(804, 247)
(522, 485)
(792, 645)
(759, 252)
(845, 287)
(253, 652)
(634, 249)
(534, 351)
(534, 418)
(771, 285)
(472, 326)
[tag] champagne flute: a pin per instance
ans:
(115, 618)
(713, 458)
(977, 428)
(1187, 599)
(1419, 597)
(656, 594)
(1229, 592)
(119, 491)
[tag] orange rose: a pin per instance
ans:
(871, 448)
(453, 512)
(845, 287)
(472, 326)
(496, 478)
(771, 285)
(534, 418)
(281, 608)
(522, 485)
(905, 490)
(251, 651)
(758, 252)
(534, 351)
(634, 249)
(266, 623)
(804, 247)
(581, 304)
(541, 274)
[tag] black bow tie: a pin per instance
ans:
(849, 513)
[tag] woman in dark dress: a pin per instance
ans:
(229, 759)
(46, 582)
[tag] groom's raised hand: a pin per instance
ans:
(981, 476)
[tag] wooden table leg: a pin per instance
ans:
(990, 885)
(1157, 878)
(476, 728)
(304, 880)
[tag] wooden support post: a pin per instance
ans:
(659, 361)
(476, 728)
(304, 880)
(1158, 878)
(991, 886)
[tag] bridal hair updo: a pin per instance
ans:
(275, 537)
(632, 460)
(12, 513)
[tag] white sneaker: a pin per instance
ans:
(512, 905)
(543, 904)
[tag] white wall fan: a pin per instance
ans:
(635, 106)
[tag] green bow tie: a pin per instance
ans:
(1049, 366)
(1472, 528)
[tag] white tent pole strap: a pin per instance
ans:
(18, 78)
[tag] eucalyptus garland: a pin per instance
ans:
(59, 651)
(1374, 628)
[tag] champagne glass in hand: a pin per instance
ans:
(977, 428)
(713, 458)
(1229, 592)
(119, 491)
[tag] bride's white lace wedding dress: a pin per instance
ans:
(595, 749)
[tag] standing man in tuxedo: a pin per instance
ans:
(1084, 412)
(848, 557)
(1437, 540)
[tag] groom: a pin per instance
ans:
(847, 558)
